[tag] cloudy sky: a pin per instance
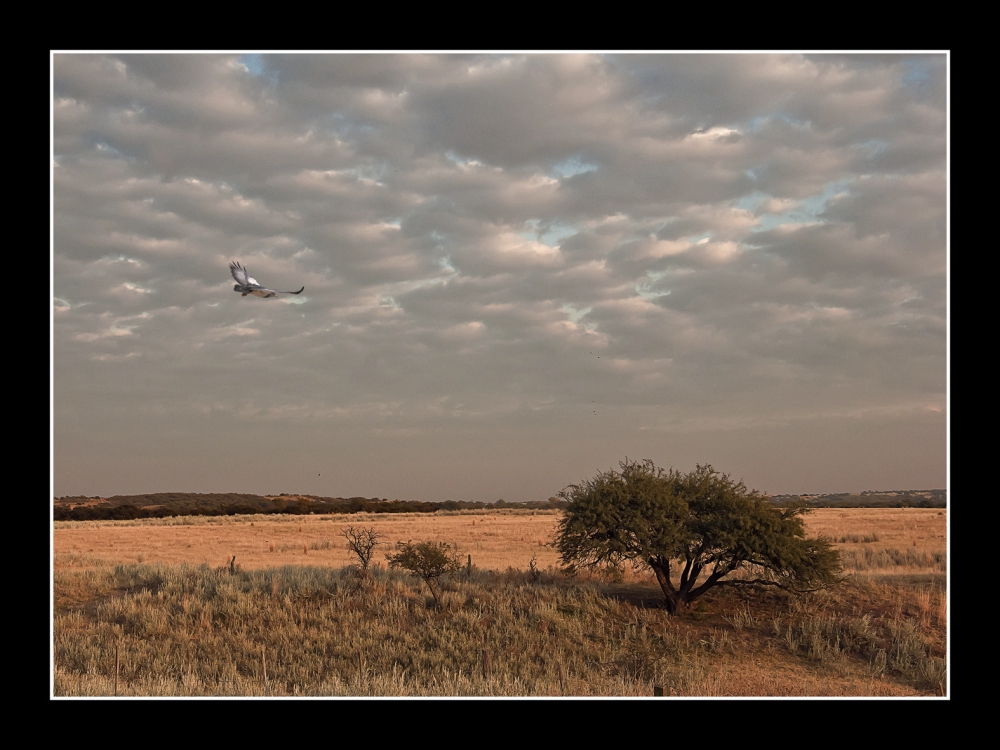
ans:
(519, 269)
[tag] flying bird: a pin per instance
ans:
(248, 284)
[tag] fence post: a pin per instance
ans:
(117, 667)
(657, 690)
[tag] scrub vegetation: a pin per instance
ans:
(294, 628)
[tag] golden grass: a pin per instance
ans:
(185, 630)
(922, 529)
(886, 541)
(161, 589)
(910, 540)
(496, 540)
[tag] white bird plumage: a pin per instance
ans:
(247, 284)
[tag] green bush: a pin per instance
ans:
(702, 522)
(427, 560)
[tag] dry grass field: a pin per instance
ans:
(292, 620)
(495, 539)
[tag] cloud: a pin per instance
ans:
(490, 244)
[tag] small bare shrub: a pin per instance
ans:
(361, 543)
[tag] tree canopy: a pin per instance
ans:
(685, 526)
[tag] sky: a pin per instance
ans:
(519, 270)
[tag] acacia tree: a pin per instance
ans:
(427, 560)
(700, 523)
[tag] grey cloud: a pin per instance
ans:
(757, 241)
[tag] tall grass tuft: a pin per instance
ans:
(870, 538)
(889, 645)
(868, 558)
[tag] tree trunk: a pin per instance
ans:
(682, 596)
(674, 600)
(430, 585)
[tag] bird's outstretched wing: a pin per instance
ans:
(242, 277)
(247, 284)
(285, 291)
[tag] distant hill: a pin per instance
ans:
(164, 504)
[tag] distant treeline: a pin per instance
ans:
(871, 499)
(166, 504)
